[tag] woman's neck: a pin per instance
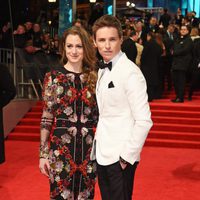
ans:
(77, 68)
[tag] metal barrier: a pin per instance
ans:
(52, 31)
(27, 70)
(7, 58)
(10, 58)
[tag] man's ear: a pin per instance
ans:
(121, 39)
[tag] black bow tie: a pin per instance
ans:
(103, 65)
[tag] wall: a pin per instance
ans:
(13, 112)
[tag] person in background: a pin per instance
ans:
(168, 39)
(194, 20)
(165, 18)
(70, 106)
(20, 37)
(124, 114)
(7, 93)
(195, 78)
(152, 26)
(29, 30)
(182, 60)
(35, 45)
(139, 27)
(139, 53)
(129, 46)
(150, 64)
(178, 17)
(6, 36)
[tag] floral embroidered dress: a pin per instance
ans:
(72, 111)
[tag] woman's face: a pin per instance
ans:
(74, 49)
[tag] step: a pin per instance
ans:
(33, 115)
(174, 135)
(173, 106)
(172, 143)
(39, 103)
(30, 121)
(176, 127)
(176, 120)
(174, 113)
(26, 129)
(172, 96)
(36, 109)
(172, 92)
(24, 137)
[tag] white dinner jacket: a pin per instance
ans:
(124, 114)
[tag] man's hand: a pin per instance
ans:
(123, 165)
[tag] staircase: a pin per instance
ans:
(175, 124)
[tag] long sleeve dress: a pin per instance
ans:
(69, 117)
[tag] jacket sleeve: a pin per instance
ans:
(7, 87)
(137, 98)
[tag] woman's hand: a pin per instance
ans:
(44, 166)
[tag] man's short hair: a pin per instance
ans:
(107, 21)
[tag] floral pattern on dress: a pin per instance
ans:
(66, 96)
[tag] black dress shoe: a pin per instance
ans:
(177, 100)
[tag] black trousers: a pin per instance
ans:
(195, 82)
(116, 183)
(179, 79)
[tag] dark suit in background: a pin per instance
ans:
(182, 60)
(195, 79)
(7, 92)
(165, 18)
(168, 40)
(150, 62)
(130, 49)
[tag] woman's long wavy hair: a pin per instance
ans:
(89, 54)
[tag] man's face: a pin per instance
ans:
(184, 31)
(108, 42)
(28, 25)
(153, 21)
(139, 26)
(171, 29)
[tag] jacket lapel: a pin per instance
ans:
(99, 100)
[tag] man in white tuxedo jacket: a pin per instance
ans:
(124, 114)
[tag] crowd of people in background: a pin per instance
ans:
(29, 36)
(166, 49)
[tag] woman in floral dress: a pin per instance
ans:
(70, 108)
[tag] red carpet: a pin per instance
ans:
(164, 173)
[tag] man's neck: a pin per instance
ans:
(115, 58)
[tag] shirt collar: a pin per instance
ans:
(116, 58)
